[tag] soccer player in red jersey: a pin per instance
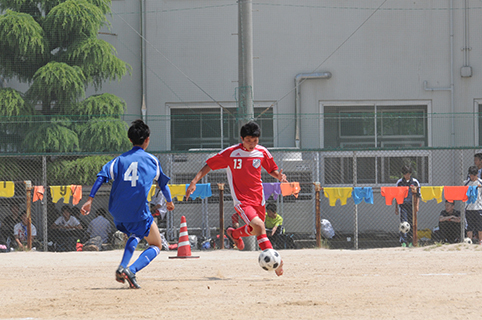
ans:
(243, 164)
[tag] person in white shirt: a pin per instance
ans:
(20, 231)
(66, 230)
(100, 226)
(473, 211)
(66, 221)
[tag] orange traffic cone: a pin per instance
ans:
(184, 246)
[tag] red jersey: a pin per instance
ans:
(243, 168)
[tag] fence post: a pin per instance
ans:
(318, 214)
(221, 214)
(414, 215)
(28, 188)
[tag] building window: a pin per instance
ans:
(374, 167)
(206, 127)
(375, 126)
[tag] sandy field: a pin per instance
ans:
(434, 282)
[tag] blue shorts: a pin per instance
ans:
(139, 229)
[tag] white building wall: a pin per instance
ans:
(372, 55)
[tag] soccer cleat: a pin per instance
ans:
(131, 278)
(119, 277)
(404, 244)
(279, 271)
(237, 242)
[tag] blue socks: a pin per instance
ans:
(131, 246)
(145, 258)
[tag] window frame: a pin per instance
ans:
(382, 154)
(363, 106)
(215, 106)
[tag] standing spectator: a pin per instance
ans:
(473, 210)
(449, 223)
(132, 174)
(478, 164)
(243, 163)
(20, 232)
(406, 213)
(100, 226)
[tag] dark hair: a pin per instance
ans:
(473, 170)
(138, 132)
(251, 129)
(406, 169)
(451, 202)
(101, 212)
(65, 208)
(478, 155)
(271, 207)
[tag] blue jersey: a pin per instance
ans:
(132, 173)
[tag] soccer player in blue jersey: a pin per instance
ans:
(132, 174)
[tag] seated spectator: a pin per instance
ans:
(158, 208)
(66, 230)
(20, 232)
(100, 227)
(449, 224)
(75, 212)
(274, 226)
(7, 236)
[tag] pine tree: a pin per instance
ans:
(52, 46)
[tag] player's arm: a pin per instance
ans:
(279, 175)
(192, 186)
(167, 195)
(85, 210)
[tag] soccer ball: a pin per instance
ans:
(269, 259)
(468, 240)
(404, 227)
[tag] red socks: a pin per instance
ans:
(244, 231)
(263, 242)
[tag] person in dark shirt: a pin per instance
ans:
(449, 223)
(405, 209)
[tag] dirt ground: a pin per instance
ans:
(436, 282)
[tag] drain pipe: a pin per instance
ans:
(301, 77)
(143, 61)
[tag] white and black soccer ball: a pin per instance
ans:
(269, 259)
(404, 227)
(468, 240)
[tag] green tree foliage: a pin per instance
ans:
(22, 43)
(52, 47)
(52, 136)
(100, 133)
(58, 85)
(81, 171)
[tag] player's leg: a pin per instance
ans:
(155, 243)
(245, 231)
(259, 230)
(478, 225)
(139, 229)
(470, 224)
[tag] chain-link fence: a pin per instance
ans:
(355, 226)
